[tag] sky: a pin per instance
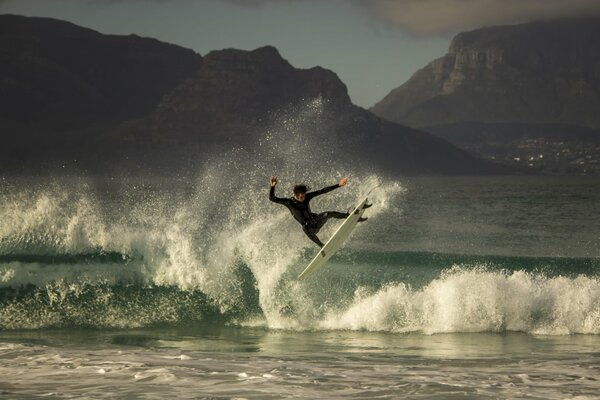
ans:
(373, 45)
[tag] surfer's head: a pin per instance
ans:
(299, 192)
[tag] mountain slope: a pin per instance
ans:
(75, 99)
(542, 72)
(237, 96)
(63, 76)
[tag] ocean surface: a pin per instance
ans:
(143, 288)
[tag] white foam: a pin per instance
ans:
(467, 300)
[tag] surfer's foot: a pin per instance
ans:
(363, 219)
(367, 206)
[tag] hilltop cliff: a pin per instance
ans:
(542, 72)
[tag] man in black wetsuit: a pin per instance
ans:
(300, 208)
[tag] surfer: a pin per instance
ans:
(300, 208)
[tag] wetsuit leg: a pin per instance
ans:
(322, 218)
(314, 226)
(312, 234)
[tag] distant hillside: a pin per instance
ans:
(63, 76)
(556, 149)
(236, 95)
(236, 88)
(542, 72)
(76, 99)
(535, 73)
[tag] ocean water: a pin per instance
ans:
(148, 287)
(155, 288)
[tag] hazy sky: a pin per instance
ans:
(373, 45)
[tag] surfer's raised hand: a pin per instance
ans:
(273, 181)
(343, 181)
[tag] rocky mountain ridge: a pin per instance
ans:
(542, 72)
(98, 102)
(506, 93)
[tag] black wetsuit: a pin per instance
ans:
(311, 222)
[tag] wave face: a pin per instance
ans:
(125, 252)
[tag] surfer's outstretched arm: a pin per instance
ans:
(327, 189)
(272, 197)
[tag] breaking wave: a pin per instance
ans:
(131, 252)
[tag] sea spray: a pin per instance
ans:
(217, 237)
(50, 220)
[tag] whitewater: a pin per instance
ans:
(154, 287)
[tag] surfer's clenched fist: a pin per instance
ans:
(273, 181)
(343, 181)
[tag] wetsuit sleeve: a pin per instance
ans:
(316, 193)
(275, 199)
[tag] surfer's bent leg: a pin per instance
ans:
(312, 234)
(325, 216)
(338, 215)
(314, 226)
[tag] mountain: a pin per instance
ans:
(237, 95)
(234, 87)
(63, 76)
(533, 73)
(76, 99)
(529, 74)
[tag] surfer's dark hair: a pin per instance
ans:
(300, 189)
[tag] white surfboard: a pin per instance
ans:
(335, 241)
